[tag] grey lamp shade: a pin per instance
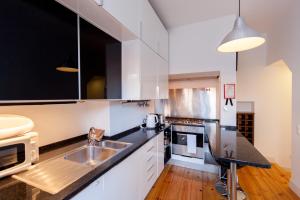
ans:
(241, 38)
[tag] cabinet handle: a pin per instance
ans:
(97, 182)
(150, 177)
(150, 168)
(150, 149)
(148, 160)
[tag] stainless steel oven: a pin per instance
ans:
(180, 140)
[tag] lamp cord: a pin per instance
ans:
(239, 8)
(237, 54)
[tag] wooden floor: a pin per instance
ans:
(177, 183)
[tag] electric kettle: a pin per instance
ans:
(151, 120)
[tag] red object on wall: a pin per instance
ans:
(229, 91)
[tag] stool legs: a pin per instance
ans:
(228, 183)
(233, 177)
(228, 186)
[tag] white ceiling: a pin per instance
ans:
(175, 13)
(260, 14)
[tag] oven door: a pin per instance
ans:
(179, 144)
(14, 155)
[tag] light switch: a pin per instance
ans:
(298, 130)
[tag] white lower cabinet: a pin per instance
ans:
(121, 182)
(95, 191)
(133, 178)
(148, 161)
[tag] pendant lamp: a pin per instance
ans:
(241, 38)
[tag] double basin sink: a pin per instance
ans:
(57, 173)
(97, 154)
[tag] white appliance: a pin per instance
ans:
(18, 145)
(18, 153)
(151, 121)
(13, 125)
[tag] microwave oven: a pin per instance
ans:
(18, 153)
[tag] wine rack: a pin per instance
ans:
(245, 125)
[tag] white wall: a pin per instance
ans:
(270, 88)
(289, 48)
(126, 116)
(193, 50)
(282, 25)
(63, 121)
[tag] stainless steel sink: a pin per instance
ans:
(114, 144)
(91, 155)
(94, 155)
(57, 173)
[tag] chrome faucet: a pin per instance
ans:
(95, 135)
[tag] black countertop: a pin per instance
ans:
(11, 189)
(227, 145)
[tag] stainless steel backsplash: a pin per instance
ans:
(192, 103)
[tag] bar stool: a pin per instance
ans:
(223, 182)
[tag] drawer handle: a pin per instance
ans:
(150, 158)
(150, 177)
(150, 149)
(150, 168)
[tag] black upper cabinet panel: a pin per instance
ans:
(36, 37)
(100, 63)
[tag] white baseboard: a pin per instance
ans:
(193, 163)
(273, 160)
(295, 188)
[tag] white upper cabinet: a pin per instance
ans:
(139, 79)
(145, 43)
(125, 20)
(148, 73)
(149, 25)
(126, 12)
(144, 72)
(162, 79)
(163, 43)
(117, 24)
(153, 33)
